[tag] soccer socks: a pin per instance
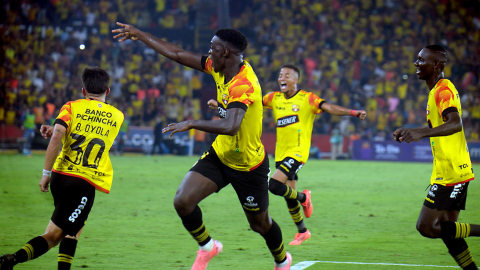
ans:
(294, 209)
(275, 243)
(458, 248)
(66, 252)
(280, 189)
(194, 224)
(32, 250)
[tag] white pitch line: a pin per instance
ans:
(304, 265)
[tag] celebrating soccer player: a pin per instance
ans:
(452, 168)
(237, 155)
(294, 112)
(87, 129)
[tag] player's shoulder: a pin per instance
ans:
(116, 111)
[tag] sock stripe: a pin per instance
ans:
(462, 230)
(290, 194)
(29, 249)
(65, 256)
(279, 254)
(464, 258)
(201, 234)
(197, 230)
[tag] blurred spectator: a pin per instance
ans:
(336, 144)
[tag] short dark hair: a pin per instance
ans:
(295, 68)
(438, 50)
(95, 80)
(234, 37)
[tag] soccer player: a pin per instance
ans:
(237, 155)
(294, 112)
(452, 168)
(86, 128)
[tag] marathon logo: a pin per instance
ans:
(287, 120)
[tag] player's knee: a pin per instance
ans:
(182, 204)
(53, 238)
(275, 186)
(427, 230)
(259, 228)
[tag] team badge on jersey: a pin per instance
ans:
(225, 99)
(295, 107)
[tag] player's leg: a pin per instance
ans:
(203, 179)
(294, 210)
(66, 251)
(34, 248)
(438, 219)
(288, 169)
(252, 191)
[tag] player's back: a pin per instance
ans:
(92, 127)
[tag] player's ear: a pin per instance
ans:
(107, 92)
(84, 92)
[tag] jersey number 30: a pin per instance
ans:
(83, 157)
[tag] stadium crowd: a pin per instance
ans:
(357, 54)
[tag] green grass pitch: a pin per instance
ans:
(363, 212)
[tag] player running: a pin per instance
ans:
(452, 168)
(294, 112)
(87, 128)
(237, 155)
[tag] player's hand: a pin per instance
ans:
(44, 183)
(126, 32)
(212, 104)
(407, 135)
(177, 127)
(361, 114)
(46, 131)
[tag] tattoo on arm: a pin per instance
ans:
(59, 131)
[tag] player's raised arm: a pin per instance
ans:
(164, 48)
(226, 126)
(53, 149)
(339, 110)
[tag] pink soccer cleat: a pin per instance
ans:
(287, 267)
(204, 257)
(299, 238)
(307, 205)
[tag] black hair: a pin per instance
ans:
(439, 51)
(95, 80)
(234, 37)
(294, 68)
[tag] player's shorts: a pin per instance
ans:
(73, 199)
(251, 187)
(290, 167)
(444, 198)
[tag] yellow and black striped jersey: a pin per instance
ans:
(451, 160)
(243, 151)
(294, 117)
(92, 126)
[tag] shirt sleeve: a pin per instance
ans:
(268, 100)
(314, 101)
(241, 91)
(445, 100)
(64, 118)
(207, 64)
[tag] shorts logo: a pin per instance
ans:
(299, 167)
(457, 189)
(430, 192)
(289, 163)
(250, 202)
(79, 209)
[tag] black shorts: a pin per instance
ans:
(73, 199)
(290, 167)
(447, 197)
(251, 187)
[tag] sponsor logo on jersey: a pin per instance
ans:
(225, 99)
(79, 209)
(295, 107)
(222, 112)
(287, 120)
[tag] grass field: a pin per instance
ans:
(364, 212)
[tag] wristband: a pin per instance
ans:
(47, 173)
(353, 113)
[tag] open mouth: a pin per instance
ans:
(283, 85)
